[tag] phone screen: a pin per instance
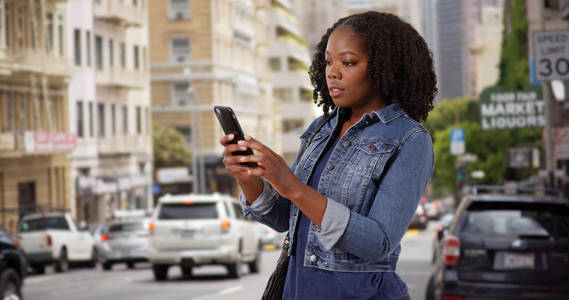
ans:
(230, 124)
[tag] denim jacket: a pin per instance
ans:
(373, 182)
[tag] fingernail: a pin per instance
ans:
(249, 172)
(230, 136)
(243, 159)
(247, 137)
(241, 142)
(243, 148)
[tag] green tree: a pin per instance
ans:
(514, 66)
(169, 147)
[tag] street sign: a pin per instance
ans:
(551, 53)
(457, 141)
(507, 109)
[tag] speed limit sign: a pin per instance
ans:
(551, 54)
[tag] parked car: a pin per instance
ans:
(504, 246)
(433, 211)
(440, 231)
(55, 238)
(270, 237)
(12, 267)
(124, 241)
(420, 219)
(194, 230)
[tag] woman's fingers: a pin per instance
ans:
(226, 139)
(252, 143)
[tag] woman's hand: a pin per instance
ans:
(231, 162)
(271, 166)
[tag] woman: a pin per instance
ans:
(349, 199)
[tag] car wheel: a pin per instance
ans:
(10, 285)
(430, 293)
(160, 272)
(62, 264)
(107, 266)
(187, 272)
(94, 257)
(234, 270)
(255, 265)
(130, 265)
(39, 269)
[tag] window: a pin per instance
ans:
(138, 120)
(180, 96)
(60, 35)
(91, 120)
(111, 53)
(147, 123)
(125, 119)
(136, 58)
(123, 55)
(88, 46)
(101, 113)
(144, 66)
(2, 24)
(289, 125)
(113, 120)
(77, 42)
(99, 52)
(8, 18)
(275, 63)
(49, 33)
(179, 10)
(179, 211)
(180, 50)
(79, 113)
(241, 39)
(20, 27)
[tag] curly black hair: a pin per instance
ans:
(400, 63)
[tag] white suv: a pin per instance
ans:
(193, 230)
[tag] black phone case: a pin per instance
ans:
(230, 124)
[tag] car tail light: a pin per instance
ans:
(451, 250)
(107, 237)
(48, 240)
(448, 297)
(151, 226)
(16, 241)
(225, 225)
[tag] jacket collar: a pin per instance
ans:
(385, 115)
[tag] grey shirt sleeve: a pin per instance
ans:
(264, 203)
(334, 223)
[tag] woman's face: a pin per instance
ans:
(346, 72)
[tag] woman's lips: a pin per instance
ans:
(335, 92)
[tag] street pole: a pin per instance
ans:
(547, 102)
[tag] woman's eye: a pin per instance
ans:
(349, 63)
(328, 62)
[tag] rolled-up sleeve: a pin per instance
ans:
(263, 204)
(334, 223)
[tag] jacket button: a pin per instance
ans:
(330, 167)
(347, 143)
(313, 258)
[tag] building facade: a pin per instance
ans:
(207, 53)
(35, 135)
(109, 105)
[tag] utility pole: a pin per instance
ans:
(547, 101)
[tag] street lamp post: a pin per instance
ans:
(198, 164)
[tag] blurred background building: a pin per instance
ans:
(35, 136)
(207, 53)
(289, 61)
(109, 107)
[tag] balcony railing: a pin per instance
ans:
(39, 62)
(123, 12)
(122, 78)
(124, 144)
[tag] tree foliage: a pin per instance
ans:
(514, 66)
(169, 147)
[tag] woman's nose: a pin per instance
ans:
(333, 73)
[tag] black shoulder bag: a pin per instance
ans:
(275, 285)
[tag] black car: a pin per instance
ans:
(504, 246)
(12, 268)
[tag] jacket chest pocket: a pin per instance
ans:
(365, 169)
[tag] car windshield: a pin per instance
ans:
(188, 211)
(518, 219)
(123, 227)
(43, 224)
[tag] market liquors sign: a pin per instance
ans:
(512, 109)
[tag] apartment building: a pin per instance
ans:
(289, 60)
(207, 53)
(315, 17)
(35, 135)
(109, 105)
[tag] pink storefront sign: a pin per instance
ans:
(41, 141)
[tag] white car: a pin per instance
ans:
(194, 230)
(55, 238)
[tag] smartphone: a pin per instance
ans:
(229, 123)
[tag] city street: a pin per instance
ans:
(209, 283)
